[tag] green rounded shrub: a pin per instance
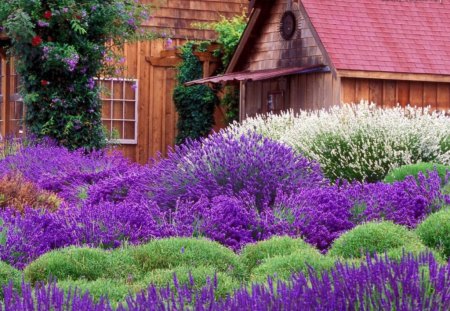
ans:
(9, 274)
(373, 237)
(282, 267)
(400, 173)
(254, 254)
(190, 252)
(200, 276)
(414, 249)
(80, 263)
(435, 232)
(116, 291)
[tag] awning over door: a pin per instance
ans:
(259, 75)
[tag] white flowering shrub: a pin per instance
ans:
(359, 142)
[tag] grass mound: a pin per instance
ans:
(9, 274)
(194, 278)
(435, 232)
(254, 254)
(114, 290)
(401, 172)
(190, 252)
(80, 263)
(282, 267)
(374, 237)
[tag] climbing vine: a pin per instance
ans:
(229, 32)
(195, 104)
(60, 46)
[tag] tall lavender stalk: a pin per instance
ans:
(378, 284)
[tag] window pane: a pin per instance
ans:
(117, 110)
(117, 129)
(129, 130)
(130, 110)
(130, 92)
(118, 89)
(106, 109)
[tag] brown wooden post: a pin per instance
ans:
(242, 100)
(6, 92)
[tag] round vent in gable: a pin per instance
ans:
(288, 25)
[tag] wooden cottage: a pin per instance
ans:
(138, 103)
(310, 54)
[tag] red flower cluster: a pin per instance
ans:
(47, 14)
(36, 41)
(44, 82)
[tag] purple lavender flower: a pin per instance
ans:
(378, 284)
(42, 23)
(249, 166)
(91, 83)
(71, 61)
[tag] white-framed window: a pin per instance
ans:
(120, 108)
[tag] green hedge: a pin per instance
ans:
(400, 173)
(374, 237)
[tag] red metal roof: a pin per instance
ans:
(406, 36)
(257, 75)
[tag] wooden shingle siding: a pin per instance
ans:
(157, 117)
(389, 93)
(175, 17)
(271, 51)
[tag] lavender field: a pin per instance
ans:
(247, 218)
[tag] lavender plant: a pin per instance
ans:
(248, 165)
(358, 141)
(62, 171)
(378, 284)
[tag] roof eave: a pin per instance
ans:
(383, 75)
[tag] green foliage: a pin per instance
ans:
(400, 173)
(9, 274)
(435, 232)
(80, 263)
(282, 267)
(414, 249)
(229, 33)
(185, 275)
(115, 290)
(195, 104)
(230, 101)
(191, 252)
(59, 47)
(254, 254)
(374, 237)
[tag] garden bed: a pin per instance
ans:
(241, 218)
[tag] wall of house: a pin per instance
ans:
(298, 92)
(269, 50)
(177, 18)
(11, 105)
(154, 66)
(388, 93)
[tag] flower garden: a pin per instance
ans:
(344, 209)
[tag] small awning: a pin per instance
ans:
(259, 75)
